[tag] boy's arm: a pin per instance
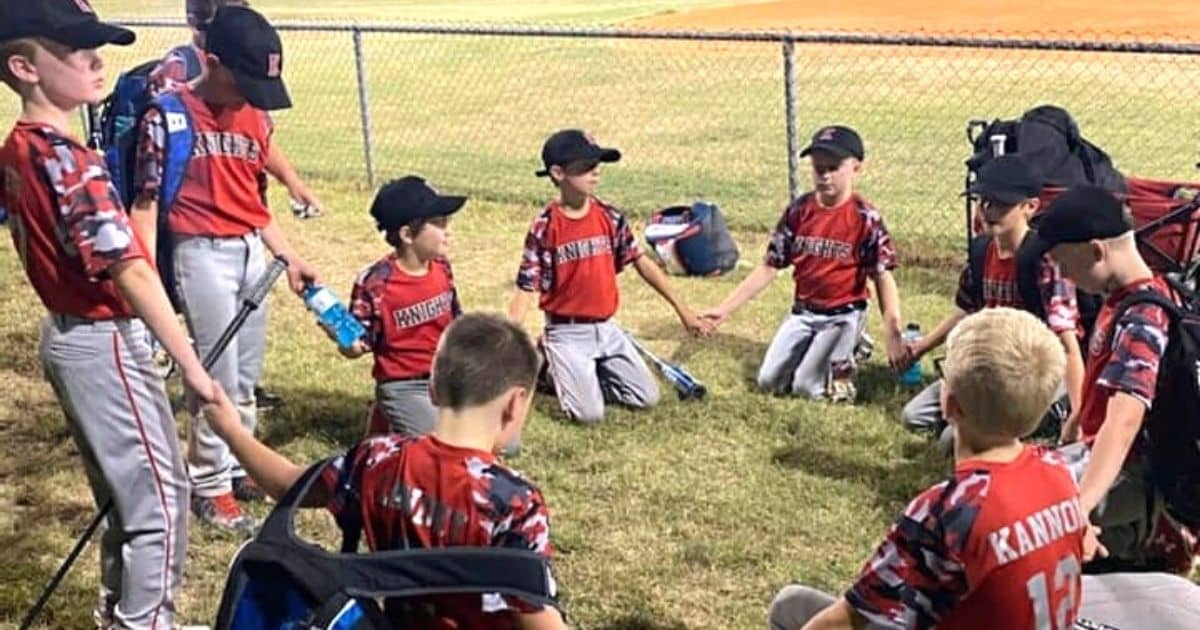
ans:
(141, 286)
(889, 308)
(837, 616)
(144, 216)
(298, 271)
(1122, 421)
(937, 336)
(279, 167)
(1073, 381)
(655, 277)
(272, 471)
(745, 291)
(519, 305)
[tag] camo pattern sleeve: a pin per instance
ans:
(1139, 341)
(1058, 298)
(917, 575)
(94, 225)
(779, 247)
(150, 155)
(625, 244)
(536, 273)
(364, 298)
(878, 251)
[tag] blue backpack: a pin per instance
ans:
(279, 582)
(120, 116)
(692, 240)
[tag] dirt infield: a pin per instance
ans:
(1177, 20)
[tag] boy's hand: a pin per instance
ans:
(694, 325)
(1092, 548)
(305, 205)
(898, 354)
(714, 316)
(201, 385)
(221, 414)
(1071, 429)
(300, 274)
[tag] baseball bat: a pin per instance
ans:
(687, 386)
(254, 298)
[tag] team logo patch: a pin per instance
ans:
(274, 65)
(176, 121)
(826, 134)
(84, 6)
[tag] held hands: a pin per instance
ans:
(201, 385)
(305, 205)
(899, 355)
(1071, 429)
(695, 325)
(1092, 548)
(221, 414)
(714, 317)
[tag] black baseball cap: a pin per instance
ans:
(1082, 214)
(72, 23)
(568, 145)
(1008, 179)
(839, 140)
(402, 201)
(248, 45)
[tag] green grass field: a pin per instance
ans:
(689, 516)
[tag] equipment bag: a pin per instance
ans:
(692, 240)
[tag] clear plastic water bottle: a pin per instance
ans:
(333, 315)
(912, 376)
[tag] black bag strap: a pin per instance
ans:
(1029, 267)
(976, 259)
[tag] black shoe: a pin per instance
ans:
(266, 399)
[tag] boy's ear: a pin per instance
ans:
(556, 173)
(23, 69)
(951, 410)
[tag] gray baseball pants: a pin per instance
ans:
(592, 364)
(212, 276)
(809, 349)
(1125, 601)
(117, 411)
(407, 406)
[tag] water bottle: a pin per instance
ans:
(912, 376)
(333, 316)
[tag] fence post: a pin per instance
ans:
(789, 108)
(364, 107)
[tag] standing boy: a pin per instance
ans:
(834, 240)
(221, 230)
(91, 270)
(573, 253)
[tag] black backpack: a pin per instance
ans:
(1029, 264)
(1049, 138)
(278, 581)
(1171, 429)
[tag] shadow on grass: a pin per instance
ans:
(19, 352)
(332, 414)
(641, 621)
(893, 482)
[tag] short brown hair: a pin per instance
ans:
(1003, 366)
(480, 357)
(24, 46)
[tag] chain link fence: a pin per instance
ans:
(718, 116)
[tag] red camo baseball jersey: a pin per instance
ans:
(405, 315)
(423, 493)
(996, 546)
(574, 263)
(66, 220)
(1128, 362)
(832, 251)
(221, 193)
(1000, 289)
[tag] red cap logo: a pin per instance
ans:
(84, 6)
(274, 61)
(826, 134)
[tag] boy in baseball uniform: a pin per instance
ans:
(1001, 543)
(93, 272)
(835, 241)
(573, 252)
(221, 231)
(405, 300)
(444, 489)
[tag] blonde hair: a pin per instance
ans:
(1003, 367)
(23, 46)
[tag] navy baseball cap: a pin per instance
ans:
(839, 140)
(249, 46)
(72, 23)
(1008, 179)
(402, 201)
(569, 145)
(1081, 214)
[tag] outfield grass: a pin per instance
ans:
(687, 516)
